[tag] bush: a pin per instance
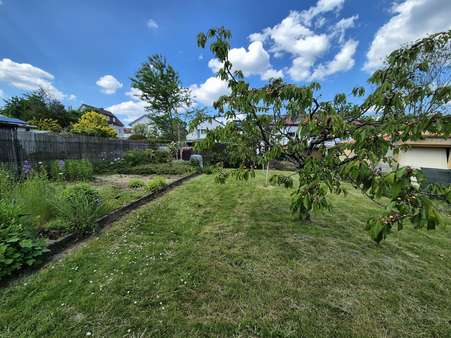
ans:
(18, 245)
(156, 183)
(80, 205)
(136, 184)
(109, 167)
(6, 183)
(34, 195)
(135, 157)
(163, 156)
(136, 137)
(173, 168)
(71, 170)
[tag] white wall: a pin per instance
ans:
(424, 158)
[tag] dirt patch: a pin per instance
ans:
(121, 180)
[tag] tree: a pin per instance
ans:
(93, 124)
(340, 141)
(38, 105)
(161, 88)
(46, 124)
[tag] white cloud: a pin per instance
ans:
(253, 61)
(322, 6)
(27, 77)
(209, 91)
(411, 20)
(129, 110)
(71, 97)
(343, 25)
(342, 61)
(134, 94)
(304, 38)
(272, 73)
(2, 94)
(109, 84)
(152, 24)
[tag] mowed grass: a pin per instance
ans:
(209, 260)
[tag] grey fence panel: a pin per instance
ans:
(16, 146)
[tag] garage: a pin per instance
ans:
(424, 158)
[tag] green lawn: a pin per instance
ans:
(230, 260)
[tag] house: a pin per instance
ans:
(143, 119)
(202, 129)
(13, 123)
(431, 152)
(113, 121)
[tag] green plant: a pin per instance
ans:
(18, 245)
(156, 183)
(93, 124)
(136, 183)
(47, 124)
(342, 139)
(135, 157)
(163, 156)
(6, 183)
(75, 170)
(80, 205)
(35, 196)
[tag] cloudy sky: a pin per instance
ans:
(85, 51)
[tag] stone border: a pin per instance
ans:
(58, 246)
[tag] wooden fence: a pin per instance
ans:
(16, 146)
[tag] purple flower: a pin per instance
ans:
(26, 167)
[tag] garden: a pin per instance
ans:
(231, 260)
(66, 197)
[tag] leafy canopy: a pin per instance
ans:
(340, 141)
(93, 124)
(38, 106)
(161, 88)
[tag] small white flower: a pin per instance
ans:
(88, 333)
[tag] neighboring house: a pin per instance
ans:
(13, 123)
(113, 121)
(431, 152)
(144, 119)
(202, 129)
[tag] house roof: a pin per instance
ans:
(11, 121)
(112, 119)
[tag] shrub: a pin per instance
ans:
(135, 157)
(109, 167)
(136, 137)
(136, 184)
(34, 195)
(156, 183)
(163, 156)
(93, 124)
(80, 205)
(71, 170)
(18, 245)
(6, 183)
(78, 170)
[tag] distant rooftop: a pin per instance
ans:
(112, 119)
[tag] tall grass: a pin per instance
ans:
(35, 196)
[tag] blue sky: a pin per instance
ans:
(86, 51)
